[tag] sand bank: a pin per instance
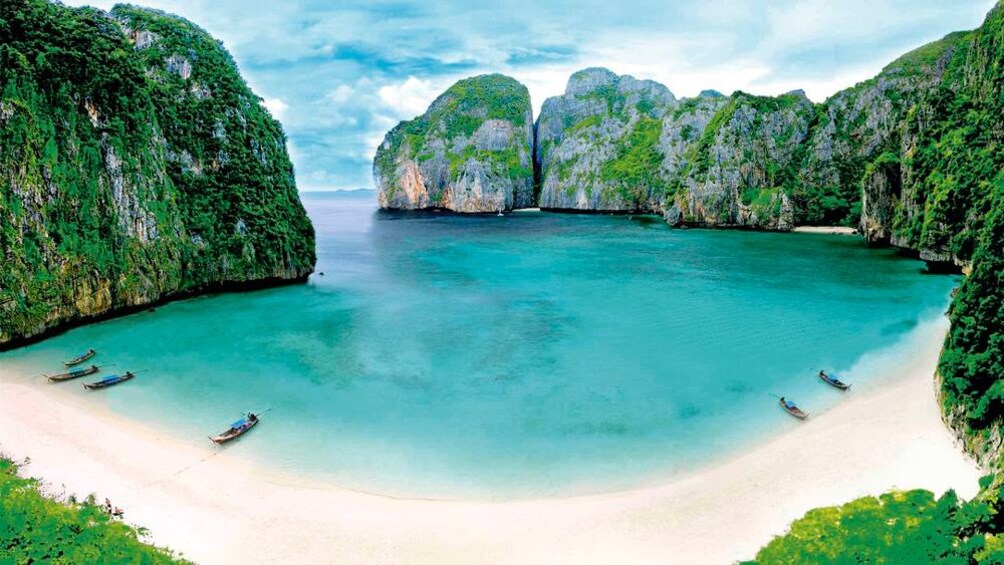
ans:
(831, 230)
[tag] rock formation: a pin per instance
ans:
(472, 151)
(598, 144)
(613, 143)
(136, 166)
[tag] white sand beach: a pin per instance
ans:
(221, 510)
(830, 230)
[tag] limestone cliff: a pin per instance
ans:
(617, 144)
(136, 166)
(598, 144)
(682, 133)
(860, 130)
(740, 171)
(472, 151)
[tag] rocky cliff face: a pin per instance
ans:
(137, 165)
(617, 144)
(682, 133)
(614, 143)
(739, 172)
(472, 151)
(860, 130)
(598, 145)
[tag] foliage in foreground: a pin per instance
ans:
(898, 527)
(36, 529)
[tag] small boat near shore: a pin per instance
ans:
(833, 381)
(75, 374)
(80, 358)
(237, 429)
(791, 408)
(109, 381)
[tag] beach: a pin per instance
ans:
(213, 508)
(829, 230)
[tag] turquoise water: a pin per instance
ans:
(535, 354)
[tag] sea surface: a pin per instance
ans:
(533, 354)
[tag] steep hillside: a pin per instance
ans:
(472, 151)
(742, 169)
(136, 166)
(598, 145)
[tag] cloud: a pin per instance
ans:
(409, 98)
(276, 106)
(341, 94)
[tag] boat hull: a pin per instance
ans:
(836, 385)
(225, 437)
(81, 359)
(106, 384)
(73, 374)
(793, 411)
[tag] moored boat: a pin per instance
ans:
(791, 408)
(833, 381)
(76, 373)
(237, 429)
(109, 381)
(80, 358)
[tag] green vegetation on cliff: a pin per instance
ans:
(634, 172)
(484, 120)
(37, 529)
(599, 144)
(135, 165)
(952, 208)
(458, 112)
(858, 125)
(246, 208)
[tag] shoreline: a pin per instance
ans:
(123, 310)
(829, 230)
(215, 508)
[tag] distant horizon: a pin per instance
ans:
(330, 189)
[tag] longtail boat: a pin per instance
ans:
(792, 409)
(833, 381)
(237, 429)
(76, 373)
(80, 358)
(109, 381)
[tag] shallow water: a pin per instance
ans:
(535, 354)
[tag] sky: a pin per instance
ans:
(339, 75)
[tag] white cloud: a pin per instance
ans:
(342, 94)
(276, 106)
(543, 82)
(410, 98)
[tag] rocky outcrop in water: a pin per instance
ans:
(598, 145)
(137, 166)
(613, 143)
(472, 151)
